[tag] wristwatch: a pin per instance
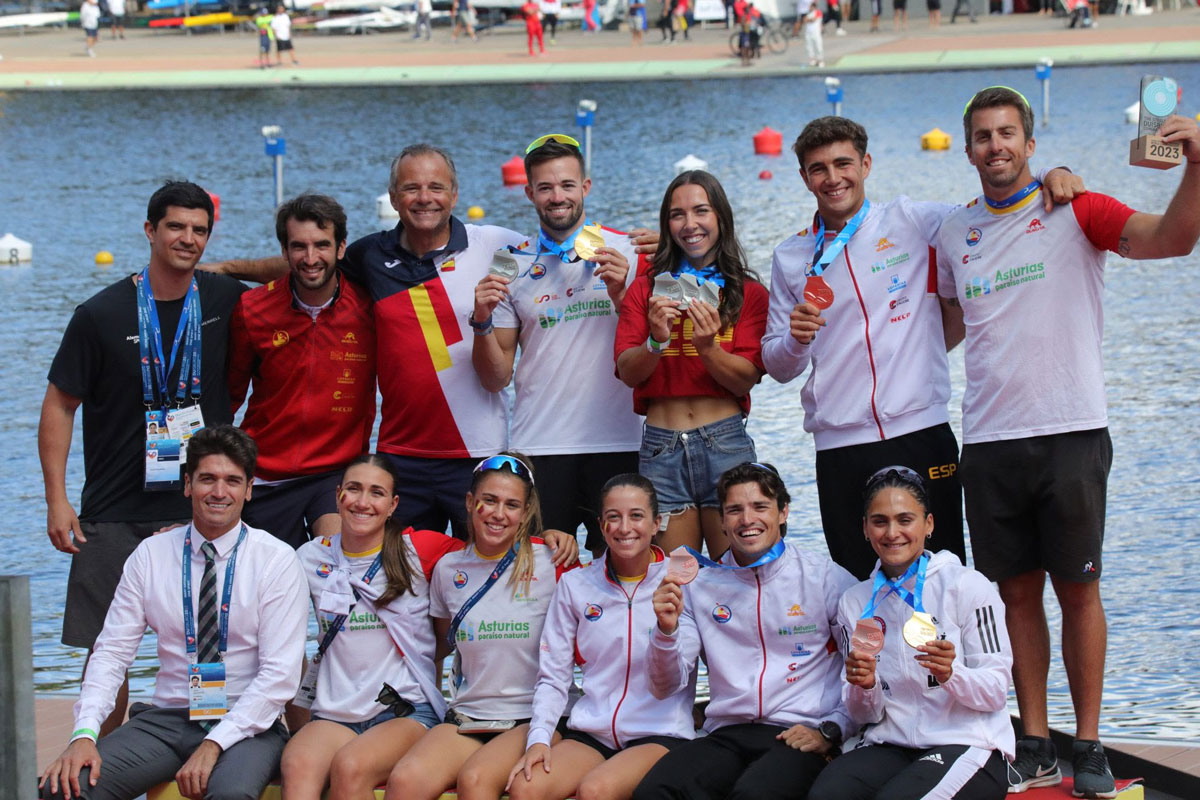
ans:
(831, 732)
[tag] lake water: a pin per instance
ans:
(78, 169)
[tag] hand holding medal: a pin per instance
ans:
(587, 240)
(938, 657)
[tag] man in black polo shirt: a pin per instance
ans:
(136, 415)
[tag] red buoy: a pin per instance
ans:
(512, 172)
(765, 175)
(768, 142)
(216, 198)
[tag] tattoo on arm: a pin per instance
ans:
(1123, 246)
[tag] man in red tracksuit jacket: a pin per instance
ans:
(308, 343)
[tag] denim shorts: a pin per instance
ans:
(684, 465)
(422, 713)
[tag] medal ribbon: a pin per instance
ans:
(155, 367)
(500, 569)
(703, 275)
(896, 587)
(1016, 198)
(547, 245)
(823, 257)
(336, 623)
(189, 619)
(775, 552)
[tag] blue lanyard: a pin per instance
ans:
(189, 618)
(335, 625)
(155, 367)
(823, 257)
(896, 587)
(703, 275)
(500, 569)
(547, 245)
(766, 558)
(1009, 202)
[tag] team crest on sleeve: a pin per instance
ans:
(592, 612)
(460, 579)
(722, 613)
(323, 570)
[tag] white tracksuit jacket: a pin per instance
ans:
(879, 365)
(906, 707)
(605, 625)
(768, 639)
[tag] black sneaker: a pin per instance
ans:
(1036, 764)
(1093, 778)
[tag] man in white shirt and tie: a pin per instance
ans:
(240, 630)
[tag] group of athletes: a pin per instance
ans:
(638, 354)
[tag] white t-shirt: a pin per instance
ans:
(497, 641)
(364, 655)
(1031, 286)
(282, 25)
(551, 6)
(89, 16)
(424, 6)
(116, 7)
(568, 397)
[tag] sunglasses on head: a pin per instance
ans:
(561, 138)
(897, 471)
(981, 91)
(513, 464)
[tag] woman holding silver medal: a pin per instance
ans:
(490, 601)
(688, 342)
(928, 667)
(371, 685)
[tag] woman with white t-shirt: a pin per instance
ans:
(375, 694)
(490, 600)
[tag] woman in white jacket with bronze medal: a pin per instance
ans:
(928, 664)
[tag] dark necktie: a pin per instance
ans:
(207, 636)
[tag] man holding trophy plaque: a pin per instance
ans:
(1036, 450)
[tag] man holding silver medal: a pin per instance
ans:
(559, 301)
(227, 603)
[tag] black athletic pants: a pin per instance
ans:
(886, 772)
(737, 762)
(842, 473)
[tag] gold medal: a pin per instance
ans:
(919, 629)
(587, 240)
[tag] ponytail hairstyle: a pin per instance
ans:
(730, 257)
(521, 573)
(396, 566)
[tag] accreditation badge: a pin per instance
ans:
(308, 684)
(919, 629)
(206, 691)
(162, 456)
(183, 424)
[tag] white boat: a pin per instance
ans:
(382, 19)
(33, 20)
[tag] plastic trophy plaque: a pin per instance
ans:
(1156, 102)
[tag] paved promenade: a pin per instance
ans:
(55, 59)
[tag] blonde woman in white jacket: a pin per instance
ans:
(928, 664)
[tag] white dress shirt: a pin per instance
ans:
(268, 616)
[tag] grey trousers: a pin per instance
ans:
(150, 748)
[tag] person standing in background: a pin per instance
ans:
(550, 11)
(89, 20)
(281, 25)
(116, 10)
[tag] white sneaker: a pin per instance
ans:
(841, 31)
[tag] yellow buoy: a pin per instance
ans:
(104, 257)
(474, 212)
(936, 139)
